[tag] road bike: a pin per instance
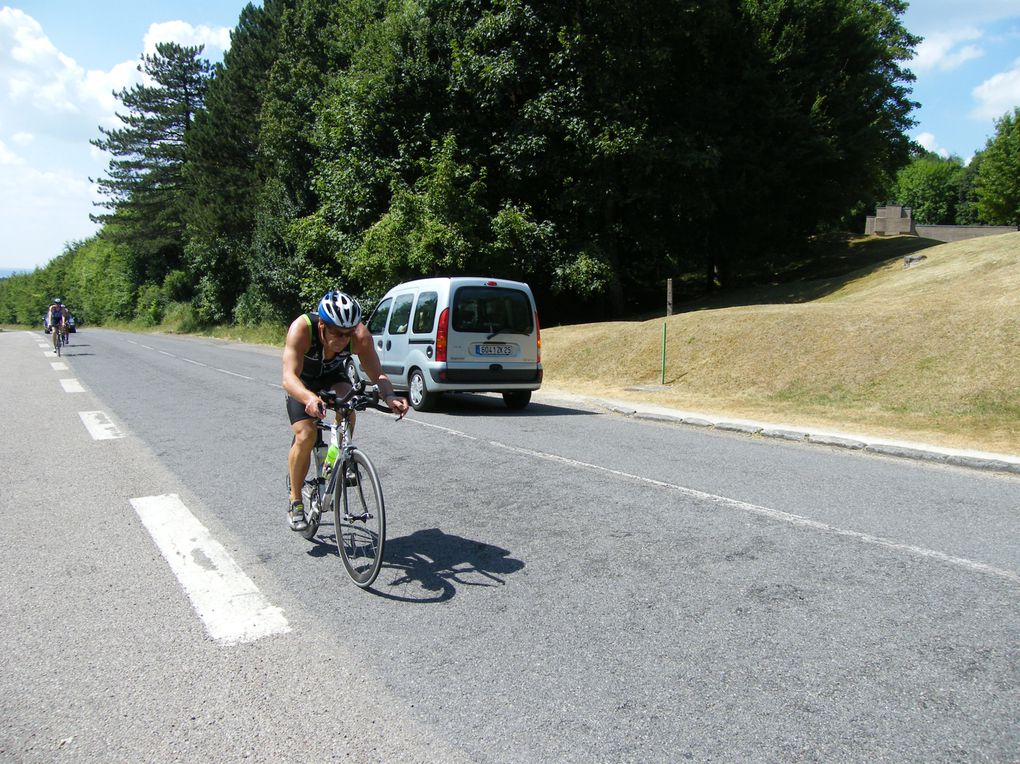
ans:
(349, 488)
(57, 342)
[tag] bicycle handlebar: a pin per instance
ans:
(358, 398)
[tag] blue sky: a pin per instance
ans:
(61, 59)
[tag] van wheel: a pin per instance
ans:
(418, 392)
(518, 399)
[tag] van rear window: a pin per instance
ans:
(491, 310)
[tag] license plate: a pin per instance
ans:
(493, 349)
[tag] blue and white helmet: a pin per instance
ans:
(339, 309)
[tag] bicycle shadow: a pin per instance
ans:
(427, 566)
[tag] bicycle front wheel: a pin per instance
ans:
(360, 519)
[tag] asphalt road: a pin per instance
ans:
(560, 584)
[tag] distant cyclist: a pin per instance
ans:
(56, 320)
(314, 358)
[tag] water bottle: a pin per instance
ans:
(331, 453)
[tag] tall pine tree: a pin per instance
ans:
(143, 186)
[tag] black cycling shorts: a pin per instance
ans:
(296, 409)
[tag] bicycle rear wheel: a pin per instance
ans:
(360, 519)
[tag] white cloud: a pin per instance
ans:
(943, 51)
(43, 91)
(50, 107)
(924, 16)
(181, 32)
(8, 157)
(927, 140)
(998, 94)
(40, 212)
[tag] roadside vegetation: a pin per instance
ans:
(851, 340)
(593, 149)
(925, 353)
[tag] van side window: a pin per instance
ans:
(401, 313)
(378, 319)
(425, 313)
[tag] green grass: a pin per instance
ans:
(927, 353)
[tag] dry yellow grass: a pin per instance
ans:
(929, 353)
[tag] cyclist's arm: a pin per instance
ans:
(298, 343)
(361, 343)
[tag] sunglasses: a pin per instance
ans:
(338, 332)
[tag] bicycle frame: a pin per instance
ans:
(340, 433)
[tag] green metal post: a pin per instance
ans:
(662, 377)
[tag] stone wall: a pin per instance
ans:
(961, 232)
(890, 221)
(895, 220)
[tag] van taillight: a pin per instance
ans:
(441, 335)
(538, 335)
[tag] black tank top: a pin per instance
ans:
(316, 365)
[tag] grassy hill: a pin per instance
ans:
(929, 353)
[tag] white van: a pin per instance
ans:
(458, 334)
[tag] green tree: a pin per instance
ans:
(222, 170)
(143, 184)
(931, 186)
(998, 178)
(966, 202)
(832, 95)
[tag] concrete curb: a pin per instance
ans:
(978, 460)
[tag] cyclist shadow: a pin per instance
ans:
(428, 565)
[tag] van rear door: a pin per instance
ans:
(493, 329)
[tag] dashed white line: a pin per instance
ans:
(59, 366)
(166, 353)
(72, 386)
(228, 602)
(194, 362)
(775, 514)
(235, 374)
(99, 425)
(146, 346)
(447, 430)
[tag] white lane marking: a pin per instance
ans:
(447, 430)
(59, 366)
(775, 514)
(228, 602)
(194, 362)
(72, 386)
(166, 353)
(45, 345)
(235, 374)
(273, 384)
(146, 346)
(132, 342)
(99, 425)
(50, 353)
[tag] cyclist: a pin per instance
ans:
(56, 321)
(314, 356)
(65, 324)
